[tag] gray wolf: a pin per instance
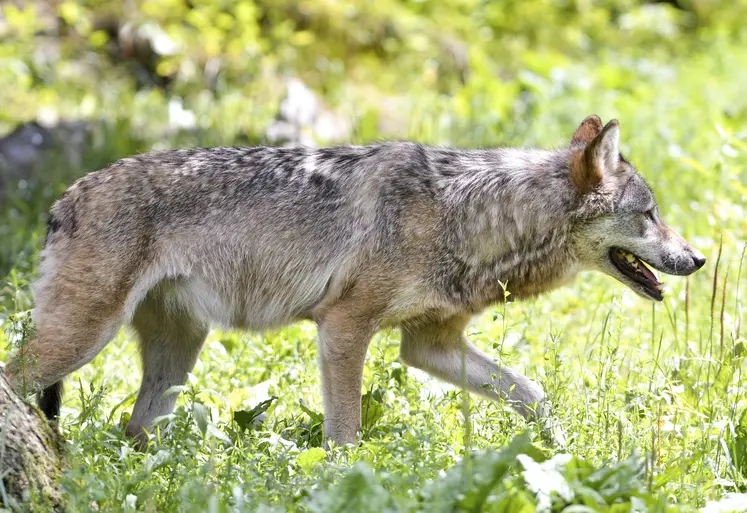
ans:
(355, 238)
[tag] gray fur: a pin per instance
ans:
(355, 238)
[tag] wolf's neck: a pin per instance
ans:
(511, 214)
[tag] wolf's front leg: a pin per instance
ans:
(343, 342)
(442, 350)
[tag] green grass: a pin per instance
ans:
(652, 396)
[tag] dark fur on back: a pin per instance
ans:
(52, 226)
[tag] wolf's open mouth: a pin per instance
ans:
(634, 268)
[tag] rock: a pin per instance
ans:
(24, 146)
(28, 146)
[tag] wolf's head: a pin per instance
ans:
(619, 225)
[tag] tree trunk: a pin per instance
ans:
(29, 453)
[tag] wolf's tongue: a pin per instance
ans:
(645, 271)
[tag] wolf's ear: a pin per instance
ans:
(587, 130)
(600, 155)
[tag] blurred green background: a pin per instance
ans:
(83, 83)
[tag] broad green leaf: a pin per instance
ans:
(246, 418)
(202, 416)
(371, 411)
(307, 459)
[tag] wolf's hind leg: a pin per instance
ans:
(170, 341)
(442, 350)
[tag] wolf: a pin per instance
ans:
(355, 238)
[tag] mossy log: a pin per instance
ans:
(30, 465)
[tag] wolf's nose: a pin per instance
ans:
(699, 260)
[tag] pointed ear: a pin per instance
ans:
(600, 156)
(587, 130)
